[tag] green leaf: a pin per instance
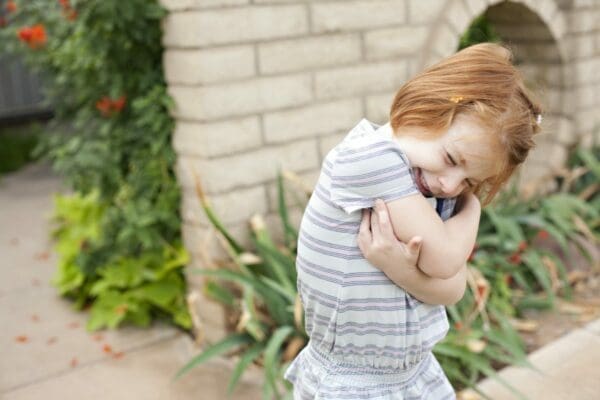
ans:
(228, 344)
(271, 353)
(247, 358)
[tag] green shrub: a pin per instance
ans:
(103, 63)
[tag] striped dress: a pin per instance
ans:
(369, 339)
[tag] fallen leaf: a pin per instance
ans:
(52, 340)
(98, 337)
(293, 348)
(575, 276)
(468, 394)
(107, 349)
(118, 355)
(22, 339)
(525, 325)
(35, 318)
(73, 325)
(476, 346)
(74, 362)
(42, 256)
(35, 282)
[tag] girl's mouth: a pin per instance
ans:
(421, 184)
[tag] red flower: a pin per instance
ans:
(64, 4)
(508, 279)
(103, 105)
(543, 234)
(34, 36)
(107, 106)
(11, 6)
(119, 103)
(3, 22)
(71, 14)
(458, 325)
(522, 246)
(515, 259)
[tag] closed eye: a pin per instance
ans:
(450, 159)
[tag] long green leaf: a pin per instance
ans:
(271, 353)
(247, 358)
(231, 342)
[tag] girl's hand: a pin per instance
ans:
(380, 246)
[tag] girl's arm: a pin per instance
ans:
(398, 261)
(446, 244)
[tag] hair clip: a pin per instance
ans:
(538, 119)
(456, 99)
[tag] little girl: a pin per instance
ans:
(457, 131)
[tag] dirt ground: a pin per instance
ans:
(547, 325)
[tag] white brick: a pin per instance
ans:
(217, 139)
(296, 195)
(250, 168)
(421, 12)
(582, 21)
(362, 79)
(445, 41)
(230, 208)
(387, 43)
(294, 55)
(247, 24)
(208, 66)
(378, 107)
(327, 143)
(458, 16)
(241, 98)
(356, 15)
(476, 7)
(313, 120)
(274, 226)
(204, 245)
(176, 5)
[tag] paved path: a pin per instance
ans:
(47, 354)
(46, 351)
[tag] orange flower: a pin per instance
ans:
(121, 309)
(515, 259)
(108, 107)
(458, 325)
(64, 3)
(103, 105)
(543, 234)
(11, 6)
(107, 349)
(71, 14)
(34, 36)
(119, 103)
(74, 362)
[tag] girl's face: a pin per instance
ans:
(452, 162)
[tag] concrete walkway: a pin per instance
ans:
(46, 351)
(48, 354)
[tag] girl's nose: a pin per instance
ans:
(452, 185)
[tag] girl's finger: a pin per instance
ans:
(384, 219)
(375, 223)
(414, 246)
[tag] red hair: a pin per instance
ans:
(481, 82)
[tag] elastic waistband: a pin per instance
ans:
(354, 372)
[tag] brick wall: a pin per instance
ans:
(264, 84)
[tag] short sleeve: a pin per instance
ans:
(369, 168)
